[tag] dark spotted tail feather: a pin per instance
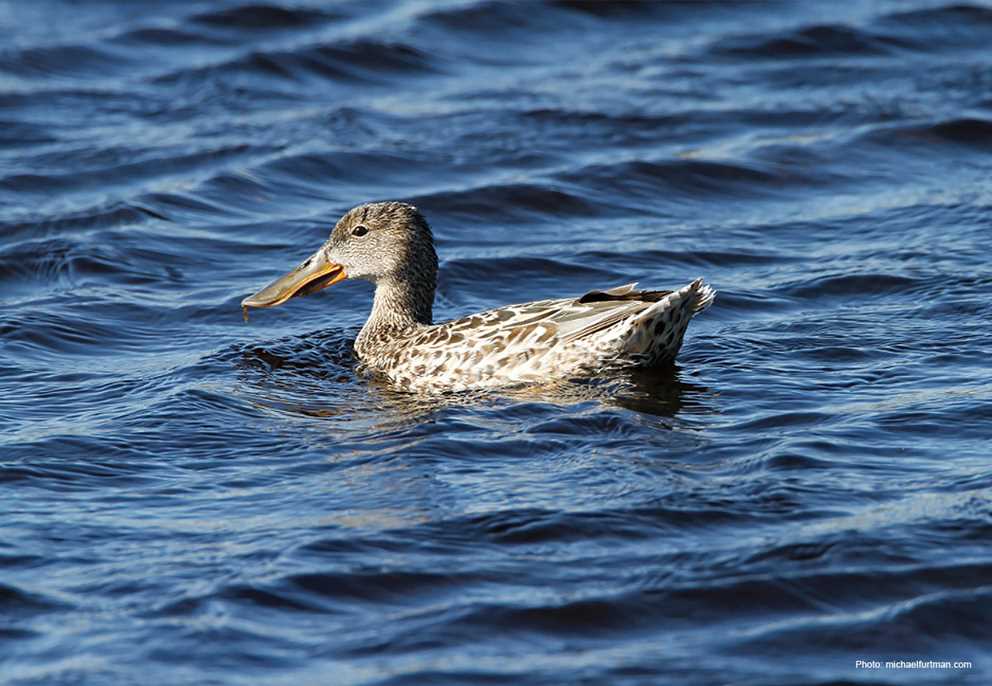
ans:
(655, 336)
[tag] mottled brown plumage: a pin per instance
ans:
(390, 244)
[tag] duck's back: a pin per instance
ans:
(543, 340)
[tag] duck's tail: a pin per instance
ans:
(655, 335)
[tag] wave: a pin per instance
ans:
(21, 134)
(974, 133)
(156, 164)
(320, 173)
(624, 9)
(512, 201)
(164, 37)
(264, 17)
(361, 60)
(640, 179)
(949, 27)
(961, 14)
(825, 40)
(942, 27)
(64, 61)
(856, 285)
(485, 18)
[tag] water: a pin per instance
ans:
(187, 499)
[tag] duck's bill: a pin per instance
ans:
(314, 274)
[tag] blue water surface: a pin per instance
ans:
(186, 499)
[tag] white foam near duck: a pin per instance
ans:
(391, 245)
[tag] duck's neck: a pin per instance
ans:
(400, 304)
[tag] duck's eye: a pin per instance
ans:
(360, 230)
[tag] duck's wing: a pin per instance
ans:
(599, 311)
(563, 318)
(546, 322)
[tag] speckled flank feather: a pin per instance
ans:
(391, 245)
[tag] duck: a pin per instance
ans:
(391, 245)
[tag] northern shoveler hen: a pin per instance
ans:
(391, 245)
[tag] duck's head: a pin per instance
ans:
(384, 242)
